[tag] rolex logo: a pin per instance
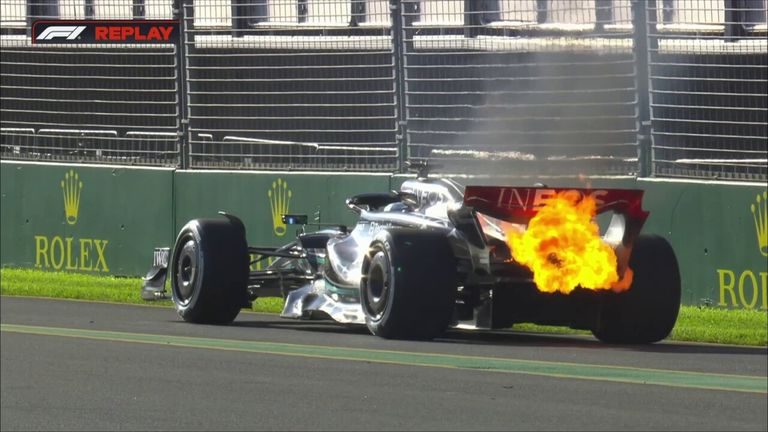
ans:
(71, 186)
(760, 214)
(279, 202)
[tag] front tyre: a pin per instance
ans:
(647, 312)
(209, 271)
(408, 288)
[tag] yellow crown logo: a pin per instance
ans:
(760, 214)
(280, 202)
(71, 186)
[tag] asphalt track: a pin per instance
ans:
(70, 365)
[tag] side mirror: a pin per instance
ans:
(295, 219)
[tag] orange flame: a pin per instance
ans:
(563, 248)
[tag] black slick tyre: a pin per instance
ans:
(408, 288)
(209, 271)
(647, 312)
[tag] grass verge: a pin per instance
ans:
(696, 324)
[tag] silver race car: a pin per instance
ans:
(431, 256)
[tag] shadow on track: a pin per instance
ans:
(510, 337)
(502, 338)
(303, 325)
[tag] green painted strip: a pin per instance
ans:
(726, 382)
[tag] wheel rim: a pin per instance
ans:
(187, 271)
(377, 288)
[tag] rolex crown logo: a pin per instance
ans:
(760, 214)
(71, 186)
(279, 202)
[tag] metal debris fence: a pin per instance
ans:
(518, 87)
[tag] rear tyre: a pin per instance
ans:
(647, 312)
(408, 288)
(209, 271)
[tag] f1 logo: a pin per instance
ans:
(68, 32)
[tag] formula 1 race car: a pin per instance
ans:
(435, 255)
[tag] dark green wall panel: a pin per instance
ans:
(717, 238)
(119, 213)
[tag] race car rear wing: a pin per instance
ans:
(520, 204)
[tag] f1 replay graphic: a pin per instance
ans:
(66, 32)
(105, 32)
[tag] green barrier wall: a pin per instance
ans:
(720, 235)
(82, 218)
(719, 231)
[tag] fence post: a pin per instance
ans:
(180, 9)
(246, 14)
(642, 43)
(542, 11)
(603, 14)
(739, 15)
(41, 9)
(400, 23)
(139, 9)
